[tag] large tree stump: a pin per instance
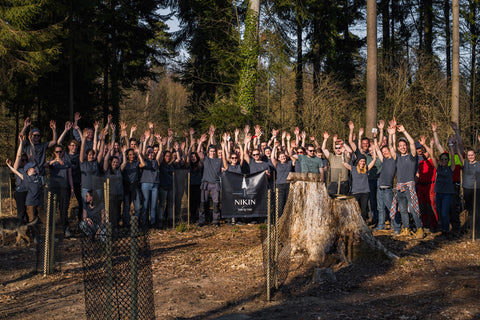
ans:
(320, 227)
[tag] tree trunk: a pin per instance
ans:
(325, 229)
(249, 51)
(428, 27)
(456, 62)
(371, 114)
(384, 7)
(299, 75)
(446, 13)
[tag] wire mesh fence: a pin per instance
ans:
(276, 245)
(116, 260)
(7, 202)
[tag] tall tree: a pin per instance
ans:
(371, 113)
(456, 61)
(249, 53)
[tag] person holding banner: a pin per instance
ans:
(212, 167)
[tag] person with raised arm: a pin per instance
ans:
(385, 187)
(360, 188)
(40, 148)
(113, 174)
(283, 167)
(471, 188)
(426, 174)
(131, 183)
(406, 195)
(338, 174)
(61, 184)
(212, 167)
(20, 190)
(90, 165)
(149, 181)
(444, 188)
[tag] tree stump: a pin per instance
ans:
(321, 227)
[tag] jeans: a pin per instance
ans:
(150, 194)
(384, 202)
(443, 202)
(404, 203)
(166, 197)
(129, 197)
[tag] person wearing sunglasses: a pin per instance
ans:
(310, 163)
(471, 181)
(444, 187)
(40, 148)
(337, 171)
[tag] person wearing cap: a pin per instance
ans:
(34, 186)
(366, 148)
(360, 187)
(406, 196)
(212, 167)
(39, 147)
(337, 174)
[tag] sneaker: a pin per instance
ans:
(405, 232)
(67, 232)
(419, 234)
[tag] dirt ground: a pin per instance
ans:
(209, 273)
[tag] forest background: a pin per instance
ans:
(119, 57)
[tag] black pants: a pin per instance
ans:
(20, 197)
(468, 195)
(455, 209)
(362, 199)
(282, 190)
(194, 201)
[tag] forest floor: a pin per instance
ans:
(217, 272)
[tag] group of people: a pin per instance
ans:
(141, 169)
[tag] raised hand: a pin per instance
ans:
(351, 126)
(53, 124)
(361, 131)
(109, 119)
(246, 129)
(133, 128)
(423, 140)
(123, 126)
(76, 117)
(27, 122)
(203, 138)
(434, 127)
(381, 124)
(296, 131)
(191, 131)
(96, 124)
(400, 128)
(68, 125)
(303, 135)
(326, 135)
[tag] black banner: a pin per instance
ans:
(244, 196)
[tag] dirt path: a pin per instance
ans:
(217, 272)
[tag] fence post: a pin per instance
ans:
(276, 239)
(173, 201)
(46, 253)
(188, 199)
(269, 238)
(108, 248)
(134, 268)
(51, 254)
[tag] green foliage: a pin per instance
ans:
(249, 73)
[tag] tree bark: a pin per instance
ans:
(456, 61)
(371, 113)
(325, 229)
(299, 75)
(446, 13)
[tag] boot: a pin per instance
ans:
(419, 234)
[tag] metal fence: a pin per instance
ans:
(276, 245)
(7, 202)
